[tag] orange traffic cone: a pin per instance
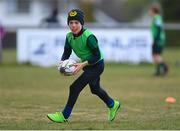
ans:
(170, 99)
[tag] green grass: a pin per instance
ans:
(29, 93)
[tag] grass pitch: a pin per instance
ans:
(29, 93)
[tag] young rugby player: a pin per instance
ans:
(158, 34)
(85, 45)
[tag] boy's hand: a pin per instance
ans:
(79, 66)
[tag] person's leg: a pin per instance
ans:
(90, 74)
(75, 88)
(112, 105)
(157, 60)
(166, 68)
(100, 92)
(161, 66)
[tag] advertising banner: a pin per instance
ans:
(44, 47)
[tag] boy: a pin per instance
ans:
(158, 39)
(85, 46)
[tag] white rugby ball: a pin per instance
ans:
(67, 67)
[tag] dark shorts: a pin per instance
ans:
(97, 68)
(156, 49)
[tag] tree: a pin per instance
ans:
(171, 10)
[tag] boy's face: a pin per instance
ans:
(150, 12)
(75, 26)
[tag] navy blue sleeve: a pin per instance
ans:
(67, 51)
(92, 43)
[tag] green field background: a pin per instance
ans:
(29, 93)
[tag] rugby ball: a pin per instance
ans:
(67, 67)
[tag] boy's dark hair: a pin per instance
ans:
(156, 8)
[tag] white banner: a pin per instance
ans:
(45, 46)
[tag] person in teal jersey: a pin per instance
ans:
(85, 45)
(158, 34)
